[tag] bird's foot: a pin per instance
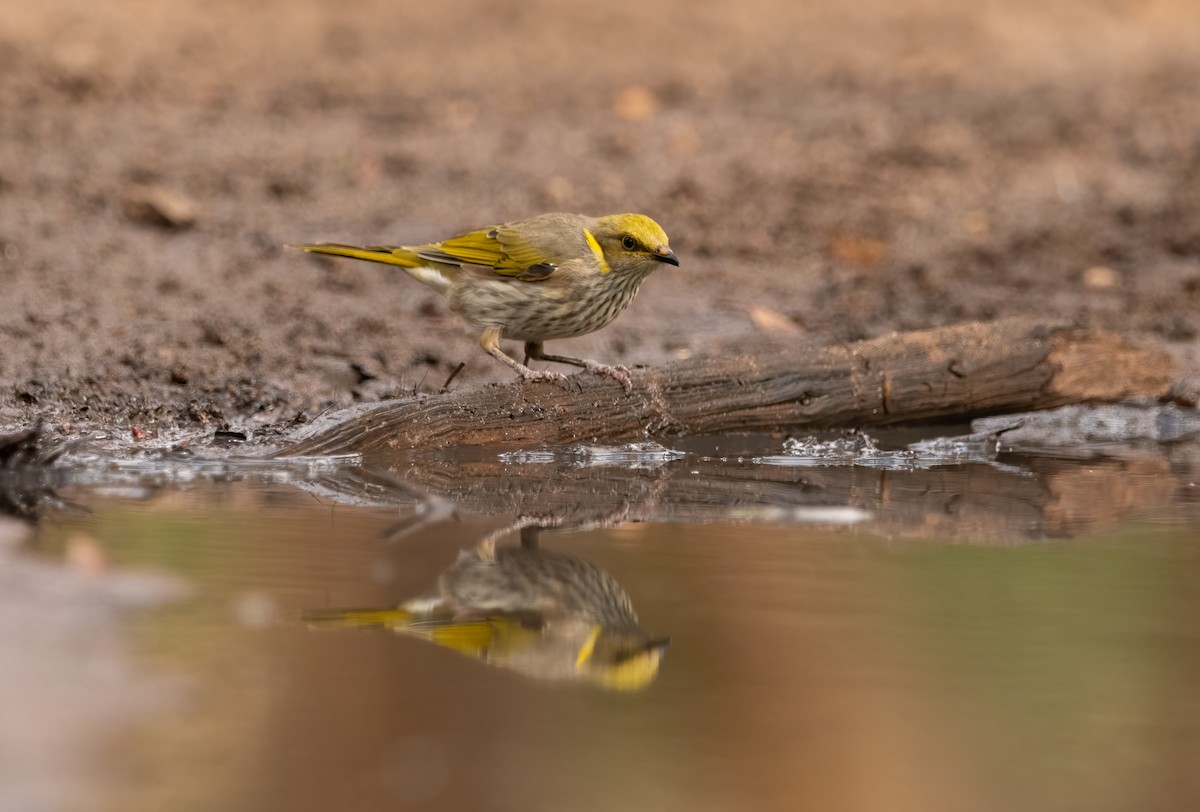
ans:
(617, 373)
(485, 550)
(527, 374)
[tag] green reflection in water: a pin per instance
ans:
(1064, 669)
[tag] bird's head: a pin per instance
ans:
(621, 660)
(632, 242)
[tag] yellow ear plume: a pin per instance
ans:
(589, 647)
(598, 251)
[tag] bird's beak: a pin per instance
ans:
(659, 646)
(664, 254)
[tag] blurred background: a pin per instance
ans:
(826, 173)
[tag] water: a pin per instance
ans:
(1012, 633)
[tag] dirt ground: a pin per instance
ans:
(824, 174)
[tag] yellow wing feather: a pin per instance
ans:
(530, 250)
(500, 248)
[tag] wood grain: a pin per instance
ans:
(961, 371)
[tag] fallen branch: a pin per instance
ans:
(953, 372)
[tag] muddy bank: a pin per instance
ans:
(825, 176)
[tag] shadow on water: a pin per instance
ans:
(458, 631)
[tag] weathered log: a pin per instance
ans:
(962, 371)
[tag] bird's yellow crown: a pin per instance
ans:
(641, 228)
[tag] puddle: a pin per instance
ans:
(702, 626)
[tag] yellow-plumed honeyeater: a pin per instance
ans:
(546, 277)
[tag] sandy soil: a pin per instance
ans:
(823, 173)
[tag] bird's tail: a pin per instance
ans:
(472, 637)
(386, 254)
(395, 619)
(407, 258)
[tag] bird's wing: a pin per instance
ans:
(501, 248)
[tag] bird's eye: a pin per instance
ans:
(629, 242)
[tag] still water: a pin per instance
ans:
(714, 631)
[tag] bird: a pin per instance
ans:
(546, 277)
(543, 614)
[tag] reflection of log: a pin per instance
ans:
(978, 503)
(966, 370)
(25, 476)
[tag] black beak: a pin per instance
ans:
(664, 254)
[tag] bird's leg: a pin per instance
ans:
(534, 351)
(486, 548)
(529, 527)
(490, 343)
(529, 536)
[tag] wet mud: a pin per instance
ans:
(826, 175)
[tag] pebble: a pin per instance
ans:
(157, 206)
(1100, 277)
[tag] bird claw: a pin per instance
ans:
(542, 375)
(486, 548)
(617, 373)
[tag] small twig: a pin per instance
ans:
(453, 375)
(420, 382)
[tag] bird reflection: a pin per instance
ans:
(543, 614)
